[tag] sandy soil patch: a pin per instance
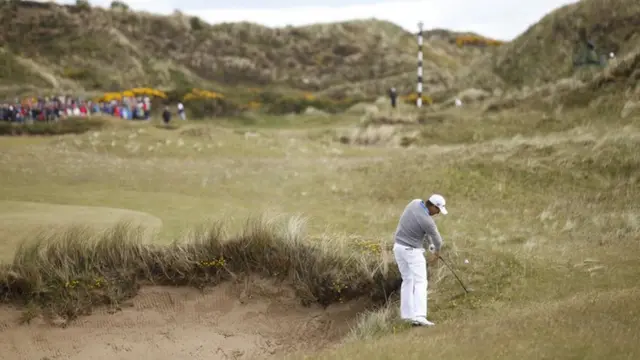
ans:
(252, 319)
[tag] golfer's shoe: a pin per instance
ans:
(421, 321)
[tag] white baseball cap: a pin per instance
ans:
(439, 202)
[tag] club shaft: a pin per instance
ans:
(454, 273)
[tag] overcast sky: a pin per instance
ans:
(502, 19)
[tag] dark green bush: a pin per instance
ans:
(196, 23)
(279, 104)
(207, 108)
(119, 5)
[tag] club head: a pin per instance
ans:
(462, 294)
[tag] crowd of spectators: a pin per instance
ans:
(54, 108)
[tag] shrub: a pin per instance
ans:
(72, 125)
(196, 23)
(473, 40)
(413, 97)
(204, 103)
(149, 92)
(119, 5)
(254, 105)
(83, 5)
(118, 95)
(279, 104)
(204, 108)
(196, 93)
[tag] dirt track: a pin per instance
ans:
(253, 320)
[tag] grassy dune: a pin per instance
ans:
(48, 46)
(546, 214)
(531, 60)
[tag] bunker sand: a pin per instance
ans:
(251, 319)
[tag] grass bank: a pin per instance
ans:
(68, 272)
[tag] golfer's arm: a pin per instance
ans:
(431, 230)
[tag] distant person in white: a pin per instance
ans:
(181, 112)
(416, 223)
(458, 102)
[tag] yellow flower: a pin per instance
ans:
(218, 263)
(200, 94)
(254, 105)
(71, 284)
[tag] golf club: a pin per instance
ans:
(454, 274)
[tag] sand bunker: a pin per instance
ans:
(252, 319)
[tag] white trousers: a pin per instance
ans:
(413, 291)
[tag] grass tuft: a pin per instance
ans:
(374, 324)
(70, 270)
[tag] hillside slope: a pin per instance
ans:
(556, 46)
(444, 58)
(70, 47)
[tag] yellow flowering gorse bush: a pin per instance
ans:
(477, 40)
(413, 97)
(199, 94)
(152, 93)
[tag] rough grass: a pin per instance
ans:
(544, 209)
(70, 271)
(588, 326)
(70, 125)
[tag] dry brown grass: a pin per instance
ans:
(72, 270)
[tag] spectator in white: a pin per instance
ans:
(139, 110)
(181, 112)
(147, 107)
(458, 102)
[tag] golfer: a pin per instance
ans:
(415, 223)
